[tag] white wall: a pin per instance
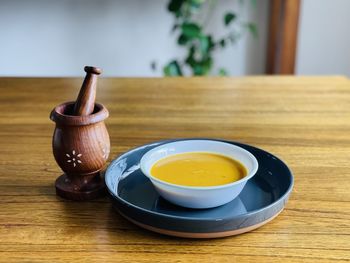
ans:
(57, 38)
(324, 38)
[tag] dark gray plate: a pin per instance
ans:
(263, 198)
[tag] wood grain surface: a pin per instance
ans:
(303, 120)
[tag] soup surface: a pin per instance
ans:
(198, 169)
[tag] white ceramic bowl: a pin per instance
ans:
(199, 197)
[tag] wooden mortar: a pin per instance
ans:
(81, 143)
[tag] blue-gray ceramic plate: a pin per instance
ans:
(261, 200)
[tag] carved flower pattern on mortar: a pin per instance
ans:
(105, 153)
(74, 158)
(104, 149)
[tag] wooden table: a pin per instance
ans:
(304, 120)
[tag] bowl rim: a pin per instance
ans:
(201, 188)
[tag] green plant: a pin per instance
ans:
(192, 36)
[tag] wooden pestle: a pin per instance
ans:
(85, 103)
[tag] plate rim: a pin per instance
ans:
(248, 214)
(201, 235)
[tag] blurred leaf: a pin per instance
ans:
(203, 67)
(222, 72)
(207, 65)
(252, 29)
(182, 40)
(198, 70)
(222, 42)
(191, 30)
(176, 26)
(228, 18)
(153, 65)
(204, 44)
(175, 5)
(172, 69)
(195, 4)
(190, 57)
(211, 42)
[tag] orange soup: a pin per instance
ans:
(198, 169)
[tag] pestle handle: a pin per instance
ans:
(85, 103)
